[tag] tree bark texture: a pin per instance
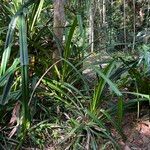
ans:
(58, 25)
(91, 28)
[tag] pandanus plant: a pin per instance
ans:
(17, 29)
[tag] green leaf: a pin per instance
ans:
(8, 43)
(24, 72)
(109, 82)
(80, 22)
(139, 94)
(9, 71)
(6, 90)
(67, 50)
(36, 13)
(104, 78)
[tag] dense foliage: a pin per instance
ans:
(72, 102)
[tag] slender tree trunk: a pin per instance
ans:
(134, 22)
(125, 32)
(100, 12)
(59, 23)
(104, 12)
(91, 28)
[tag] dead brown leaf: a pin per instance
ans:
(15, 114)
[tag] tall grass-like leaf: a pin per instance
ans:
(146, 96)
(9, 71)
(7, 90)
(7, 48)
(24, 68)
(104, 78)
(77, 73)
(109, 82)
(9, 37)
(36, 13)
(67, 49)
(8, 76)
(80, 22)
(99, 89)
(60, 88)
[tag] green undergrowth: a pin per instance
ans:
(47, 104)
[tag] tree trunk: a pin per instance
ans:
(59, 23)
(91, 28)
(104, 12)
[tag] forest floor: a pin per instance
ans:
(136, 130)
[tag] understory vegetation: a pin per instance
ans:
(70, 86)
